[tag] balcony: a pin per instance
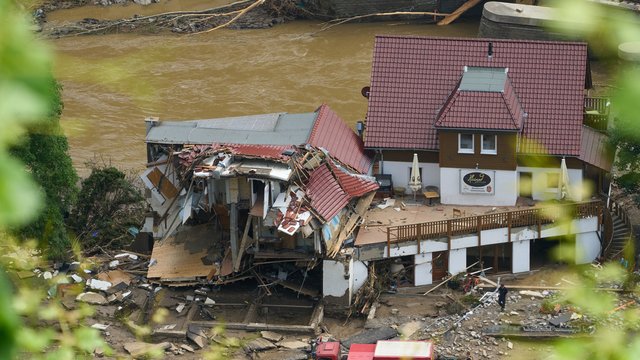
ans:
(596, 112)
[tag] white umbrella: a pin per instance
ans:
(563, 182)
(415, 183)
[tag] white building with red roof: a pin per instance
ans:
(504, 110)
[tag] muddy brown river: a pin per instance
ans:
(112, 82)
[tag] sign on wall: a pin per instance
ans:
(477, 182)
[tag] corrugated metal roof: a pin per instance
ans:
(327, 197)
(268, 129)
(594, 149)
(331, 133)
(412, 77)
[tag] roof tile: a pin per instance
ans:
(327, 197)
(331, 133)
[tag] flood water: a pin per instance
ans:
(112, 82)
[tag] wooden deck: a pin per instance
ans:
(465, 225)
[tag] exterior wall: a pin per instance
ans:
(505, 183)
(539, 182)
(359, 274)
(494, 236)
(521, 256)
(336, 282)
(587, 247)
(505, 159)
(422, 270)
(400, 172)
(341, 279)
(457, 261)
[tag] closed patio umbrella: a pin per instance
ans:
(563, 182)
(415, 182)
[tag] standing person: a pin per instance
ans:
(468, 356)
(502, 296)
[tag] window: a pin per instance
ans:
(489, 145)
(465, 143)
(553, 179)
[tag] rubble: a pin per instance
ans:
(292, 344)
(271, 336)
(259, 344)
(91, 298)
(140, 349)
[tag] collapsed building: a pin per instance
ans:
(266, 196)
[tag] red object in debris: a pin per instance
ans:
(396, 350)
(382, 350)
(328, 351)
(361, 351)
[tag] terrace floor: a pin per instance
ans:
(374, 228)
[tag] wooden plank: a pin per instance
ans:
(174, 261)
(162, 183)
(449, 278)
(243, 242)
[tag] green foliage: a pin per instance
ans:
(629, 182)
(29, 96)
(46, 145)
(471, 300)
(108, 204)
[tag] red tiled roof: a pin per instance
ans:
(355, 186)
(412, 77)
(594, 149)
(327, 197)
(482, 110)
(331, 133)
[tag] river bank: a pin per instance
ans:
(196, 16)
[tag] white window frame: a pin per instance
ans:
(473, 145)
(493, 151)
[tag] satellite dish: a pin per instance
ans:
(366, 91)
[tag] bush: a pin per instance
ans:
(108, 205)
(629, 182)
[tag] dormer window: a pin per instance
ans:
(489, 146)
(465, 143)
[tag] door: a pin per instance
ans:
(526, 184)
(440, 265)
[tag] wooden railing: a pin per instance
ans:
(596, 112)
(444, 230)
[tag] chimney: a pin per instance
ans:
(490, 50)
(150, 122)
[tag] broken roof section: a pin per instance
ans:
(295, 196)
(268, 134)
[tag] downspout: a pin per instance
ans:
(381, 161)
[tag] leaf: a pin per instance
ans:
(20, 198)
